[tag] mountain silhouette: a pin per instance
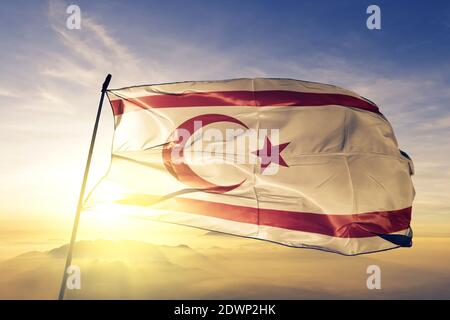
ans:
(129, 269)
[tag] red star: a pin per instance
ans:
(270, 153)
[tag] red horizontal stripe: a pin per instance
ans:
(343, 226)
(243, 98)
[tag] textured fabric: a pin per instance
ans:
(337, 182)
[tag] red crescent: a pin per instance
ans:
(181, 171)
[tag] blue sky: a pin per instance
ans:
(414, 35)
(50, 76)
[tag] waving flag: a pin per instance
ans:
(298, 163)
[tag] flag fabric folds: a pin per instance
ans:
(298, 163)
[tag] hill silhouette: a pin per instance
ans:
(137, 270)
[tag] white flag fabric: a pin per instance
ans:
(298, 163)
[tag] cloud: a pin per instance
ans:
(63, 78)
(439, 123)
(137, 270)
(414, 104)
(8, 93)
(86, 53)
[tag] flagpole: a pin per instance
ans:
(83, 189)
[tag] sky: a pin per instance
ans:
(50, 78)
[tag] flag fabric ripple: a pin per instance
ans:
(339, 182)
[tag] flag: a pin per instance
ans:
(298, 163)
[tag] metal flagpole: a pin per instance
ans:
(83, 189)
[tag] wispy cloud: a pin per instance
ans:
(8, 93)
(68, 73)
(439, 123)
(86, 53)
